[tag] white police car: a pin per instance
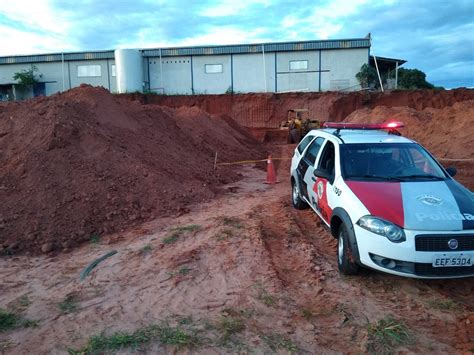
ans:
(389, 203)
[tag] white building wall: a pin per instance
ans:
(248, 73)
(297, 79)
(242, 72)
(211, 83)
(51, 75)
(102, 80)
(340, 67)
(176, 75)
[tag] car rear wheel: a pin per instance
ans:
(296, 200)
(345, 258)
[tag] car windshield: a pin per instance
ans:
(388, 162)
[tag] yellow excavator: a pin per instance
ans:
(298, 124)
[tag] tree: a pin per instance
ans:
(26, 78)
(367, 76)
(413, 79)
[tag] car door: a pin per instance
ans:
(306, 166)
(321, 191)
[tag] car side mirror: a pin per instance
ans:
(322, 173)
(452, 171)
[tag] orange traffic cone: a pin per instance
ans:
(271, 175)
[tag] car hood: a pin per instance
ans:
(420, 205)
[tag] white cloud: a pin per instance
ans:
(289, 21)
(337, 9)
(231, 7)
(215, 35)
(38, 15)
(15, 42)
(32, 27)
(226, 35)
(323, 21)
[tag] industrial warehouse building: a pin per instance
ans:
(324, 65)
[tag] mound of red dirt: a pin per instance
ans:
(269, 110)
(446, 132)
(85, 163)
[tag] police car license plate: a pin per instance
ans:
(447, 260)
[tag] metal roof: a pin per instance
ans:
(257, 48)
(57, 57)
(387, 61)
(200, 50)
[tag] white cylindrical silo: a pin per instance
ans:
(129, 69)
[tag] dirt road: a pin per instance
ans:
(243, 273)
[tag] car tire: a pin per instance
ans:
(345, 257)
(296, 199)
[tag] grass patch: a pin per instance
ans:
(267, 299)
(232, 222)
(386, 334)
(69, 304)
(230, 325)
(10, 320)
(20, 304)
(7, 252)
(224, 234)
(307, 313)
(171, 238)
(188, 228)
(180, 272)
(165, 334)
(177, 232)
(146, 249)
(277, 342)
(444, 305)
(185, 320)
(94, 239)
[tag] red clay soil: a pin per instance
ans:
(439, 120)
(86, 163)
(268, 110)
(448, 133)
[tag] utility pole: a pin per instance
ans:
(378, 73)
(264, 68)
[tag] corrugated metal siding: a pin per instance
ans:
(257, 48)
(57, 57)
(209, 50)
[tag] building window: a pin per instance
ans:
(298, 65)
(88, 70)
(213, 68)
(114, 73)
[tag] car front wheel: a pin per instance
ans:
(345, 259)
(298, 203)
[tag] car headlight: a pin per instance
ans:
(382, 227)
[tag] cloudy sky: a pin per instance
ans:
(436, 36)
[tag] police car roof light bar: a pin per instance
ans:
(367, 126)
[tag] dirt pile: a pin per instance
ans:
(85, 163)
(446, 132)
(268, 110)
